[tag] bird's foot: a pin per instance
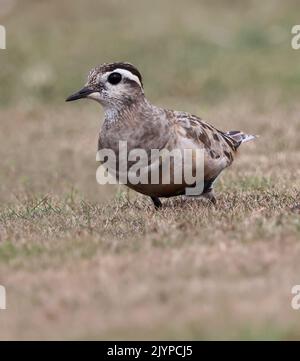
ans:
(157, 203)
(210, 196)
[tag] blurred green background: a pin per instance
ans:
(199, 51)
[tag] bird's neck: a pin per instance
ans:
(127, 109)
(140, 124)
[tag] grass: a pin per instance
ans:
(82, 261)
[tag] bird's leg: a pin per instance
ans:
(208, 191)
(210, 195)
(157, 203)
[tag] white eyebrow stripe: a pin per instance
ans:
(128, 74)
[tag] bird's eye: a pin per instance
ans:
(114, 78)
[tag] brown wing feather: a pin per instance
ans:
(192, 131)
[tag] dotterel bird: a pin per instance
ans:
(130, 117)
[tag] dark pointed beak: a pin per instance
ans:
(82, 93)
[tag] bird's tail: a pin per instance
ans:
(240, 137)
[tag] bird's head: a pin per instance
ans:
(111, 85)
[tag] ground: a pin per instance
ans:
(84, 261)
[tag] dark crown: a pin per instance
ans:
(120, 65)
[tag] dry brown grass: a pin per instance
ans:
(78, 266)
